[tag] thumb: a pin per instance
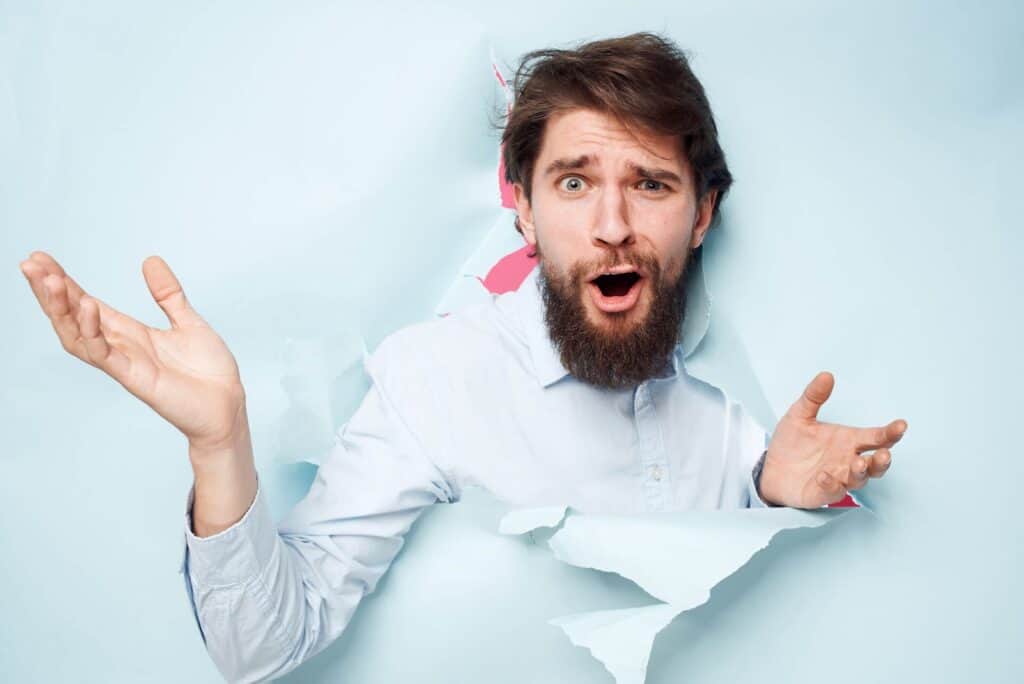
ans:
(815, 394)
(167, 292)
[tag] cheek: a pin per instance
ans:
(670, 229)
(561, 228)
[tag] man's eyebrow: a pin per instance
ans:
(584, 160)
(656, 174)
(568, 164)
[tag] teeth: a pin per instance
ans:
(618, 271)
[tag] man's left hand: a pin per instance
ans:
(810, 463)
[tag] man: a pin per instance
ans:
(570, 390)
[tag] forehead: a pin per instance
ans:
(576, 132)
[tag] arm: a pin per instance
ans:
(269, 597)
(265, 601)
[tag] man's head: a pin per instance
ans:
(613, 154)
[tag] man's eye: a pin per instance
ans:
(652, 185)
(571, 184)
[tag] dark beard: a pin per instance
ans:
(625, 354)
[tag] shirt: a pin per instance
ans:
(478, 398)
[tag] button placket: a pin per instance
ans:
(651, 449)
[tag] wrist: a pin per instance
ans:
(225, 482)
(233, 444)
(221, 496)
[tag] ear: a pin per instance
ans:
(525, 213)
(705, 210)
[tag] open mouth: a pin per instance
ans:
(617, 284)
(614, 292)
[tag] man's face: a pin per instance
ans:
(613, 217)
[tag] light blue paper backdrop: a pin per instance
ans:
(309, 169)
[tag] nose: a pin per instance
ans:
(612, 227)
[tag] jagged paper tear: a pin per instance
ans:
(675, 557)
(620, 639)
(527, 520)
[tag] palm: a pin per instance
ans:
(189, 362)
(811, 463)
(185, 373)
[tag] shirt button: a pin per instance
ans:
(656, 473)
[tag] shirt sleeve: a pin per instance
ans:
(266, 597)
(755, 500)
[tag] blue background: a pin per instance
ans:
(311, 168)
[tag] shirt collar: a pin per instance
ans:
(547, 364)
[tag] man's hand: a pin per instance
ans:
(185, 373)
(810, 464)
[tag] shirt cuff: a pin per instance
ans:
(755, 498)
(235, 555)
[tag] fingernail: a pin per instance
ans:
(823, 479)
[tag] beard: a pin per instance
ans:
(622, 353)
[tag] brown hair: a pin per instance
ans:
(642, 79)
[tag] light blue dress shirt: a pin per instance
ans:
(478, 398)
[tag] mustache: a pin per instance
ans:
(645, 264)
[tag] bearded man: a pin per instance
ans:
(571, 390)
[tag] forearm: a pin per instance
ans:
(225, 480)
(248, 590)
(262, 605)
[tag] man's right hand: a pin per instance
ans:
(185, 373)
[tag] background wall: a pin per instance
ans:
(316, 168)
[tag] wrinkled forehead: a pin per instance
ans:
(602, 140)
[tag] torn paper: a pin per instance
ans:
(675, 557)
(499, 264)
(620, 639)
(325, 381)
(527, 520)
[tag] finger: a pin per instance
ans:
(59, 311)
(869, 439)
(830, 488)
(98, 350)
(36, 269)
(857, 475)
(42, 263)
(879, 463)
(167, 292)
(34, 274)
(50, 265)
(815, 394)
